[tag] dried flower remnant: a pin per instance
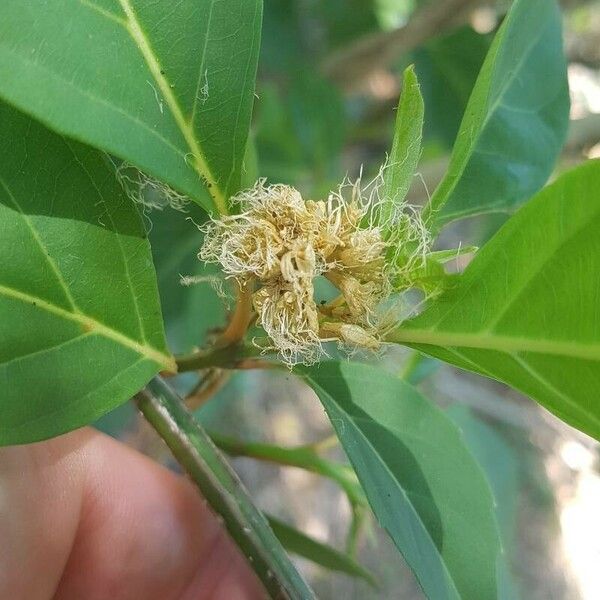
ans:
(279, 243)
(147, 192)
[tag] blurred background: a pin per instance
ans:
(329, 80)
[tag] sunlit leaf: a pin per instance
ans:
(527, 309)
(168, 87)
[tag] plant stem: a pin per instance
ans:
(221, 487)
(358, 518)
(238, 356)
(331, 441)
(225, 358)
(303, 457)
(214, 379)
(236, 329)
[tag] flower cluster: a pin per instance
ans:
(278, 244)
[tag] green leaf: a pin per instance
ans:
(80, 326)
(526, 310)
(423, 485)
(499, 463)
(166, 87)
(516, 120)
(296, 542)
(406, 147)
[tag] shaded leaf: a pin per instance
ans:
(80, 325)
(516, 120)
(300, 133)
(499, 463)
(447, 67)
(423, 485)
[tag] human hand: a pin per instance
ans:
(83, 516)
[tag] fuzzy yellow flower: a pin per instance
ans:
(278, 244)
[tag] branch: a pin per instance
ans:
(349, 66)
(242, 315)
(222, 489)
(228, 357)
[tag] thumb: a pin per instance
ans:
(83, 516)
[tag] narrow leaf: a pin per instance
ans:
(167, 87)
(296, 542)
(516, 120)
(423, 485)
(526, 311)
(80, 325)
(406, 147)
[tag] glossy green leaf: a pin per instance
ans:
(516, 120)
(406, 147)
(526, 311)
(167, 87)
(80, 325)
(423, 485)
(296, 542)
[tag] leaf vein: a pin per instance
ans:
(51, 263)
(92, 325)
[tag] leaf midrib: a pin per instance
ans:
(90, 325)
(501, 343)
(139, 37)
(38, 241)
(134, 28)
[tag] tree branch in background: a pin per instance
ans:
(350, 66)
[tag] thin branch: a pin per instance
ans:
(228, 357)
(207, 387)
(238, 325)
(359, 515)
(303, 457)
